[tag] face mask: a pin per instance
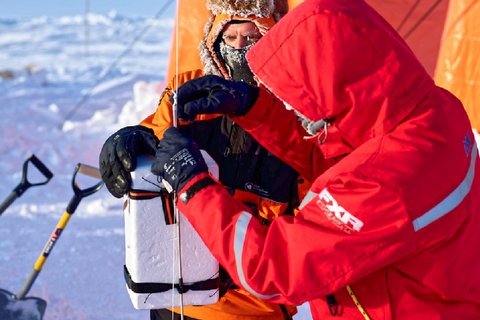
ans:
(236, 62)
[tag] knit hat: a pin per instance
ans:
(260, 12)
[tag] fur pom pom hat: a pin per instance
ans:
(261, 12)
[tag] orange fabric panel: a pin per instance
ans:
(193, 15)
(458, 68)
(234, 300)
(267, 209)
(293, 3)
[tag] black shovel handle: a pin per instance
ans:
(82, 193)
(79, 194)
(25, 183)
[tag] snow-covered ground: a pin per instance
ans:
(55, 71)
(54, 68)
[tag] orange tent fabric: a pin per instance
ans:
(419, 22)
(458, 68)
(424, 39)
(192, 16)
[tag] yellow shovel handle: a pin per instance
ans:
(62, 223)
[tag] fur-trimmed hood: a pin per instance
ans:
(260, 12)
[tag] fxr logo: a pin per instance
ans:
(337, 214)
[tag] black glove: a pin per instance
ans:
(213, 94)
(119, 156)
(178, 159)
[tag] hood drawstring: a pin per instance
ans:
(318, 129)
(333, 305)
(357, 303)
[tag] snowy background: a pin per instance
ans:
(60, 98)
(54, 70)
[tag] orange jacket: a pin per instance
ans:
(162, 119)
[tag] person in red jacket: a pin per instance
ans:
(389, 227)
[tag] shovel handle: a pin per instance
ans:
(62, 224)
(7, 202)
(24, 183)
(79, 194)
(17, 192)
(41, 167)
(27, 285)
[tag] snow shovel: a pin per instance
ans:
(19, 307)
(25, 183)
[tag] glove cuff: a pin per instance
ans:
(193, 187)
(253, 93)
(251, 96)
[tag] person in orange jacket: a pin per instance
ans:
(389, 229)
(252, 174)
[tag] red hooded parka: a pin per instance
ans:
(394, 207)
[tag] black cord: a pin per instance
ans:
(407, 16)
(422, 18)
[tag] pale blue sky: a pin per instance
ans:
(58, 8)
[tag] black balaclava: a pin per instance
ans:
(236, 62)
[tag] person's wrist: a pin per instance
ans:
(194, 185)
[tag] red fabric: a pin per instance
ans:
(341, 57)
(400, 146)
(292, 145)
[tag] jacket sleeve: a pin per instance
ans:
(162, 118)
(315, 253)
(268, 121)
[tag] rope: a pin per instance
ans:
(357, 303)
(89, 93)
(407, 16)
(175, 124)
(180, 269)
(87, 30)
(422, 18)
